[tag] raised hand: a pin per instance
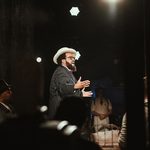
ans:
(81, 84)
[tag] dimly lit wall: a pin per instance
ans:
(17, 64)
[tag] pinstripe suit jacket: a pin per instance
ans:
(62, 85)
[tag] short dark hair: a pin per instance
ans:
(60, 58)
(99, 91)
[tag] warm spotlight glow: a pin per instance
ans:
(146, 99)
(112, 1)
(112, 7)
(74, 11)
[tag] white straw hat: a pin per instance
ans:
(65, 50)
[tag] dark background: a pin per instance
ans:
(39, 28)
(114, 50)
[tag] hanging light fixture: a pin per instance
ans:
(74, 11)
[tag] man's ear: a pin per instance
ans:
(63, 61)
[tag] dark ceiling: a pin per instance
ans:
(101, 37)
(98, 37)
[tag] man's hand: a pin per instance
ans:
(86, 93)
(81, 84)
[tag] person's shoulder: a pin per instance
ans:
(60, 69)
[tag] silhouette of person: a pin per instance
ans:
(74, 110)
(101, 108)
(6, 109)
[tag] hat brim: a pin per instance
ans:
(62, 51)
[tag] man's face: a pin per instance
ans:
(70, 61)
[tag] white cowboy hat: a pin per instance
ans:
(65, 50)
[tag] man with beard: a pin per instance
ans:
(63, 82)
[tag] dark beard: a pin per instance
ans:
(72, 67)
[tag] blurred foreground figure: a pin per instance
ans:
(6, 109)
(34, 131)
(75, 111)
(122, 139)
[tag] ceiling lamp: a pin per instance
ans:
(74, 11)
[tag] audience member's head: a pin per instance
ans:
(74, 110)
(99, 91)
